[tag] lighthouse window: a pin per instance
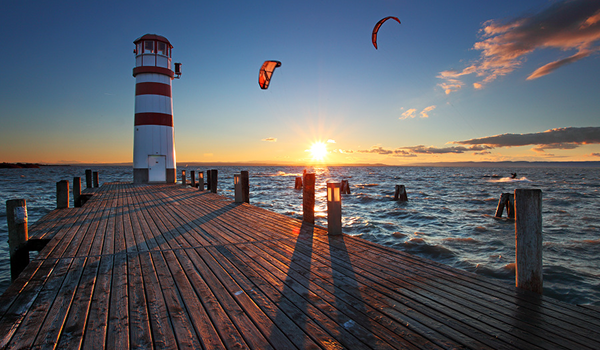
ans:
(138, 49)
(162, 48)
(148, 46)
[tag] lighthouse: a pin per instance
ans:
(153, 138)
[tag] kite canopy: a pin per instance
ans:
(376, 29)
(266, 72)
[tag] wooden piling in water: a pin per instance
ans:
(308, 199)
(96, 179)
(16, 217)
(62, 194)
(77, 192)
(208, 175)
(298, 184)
(245, 179)
(345, 187)
(88, 178)
(400, 194)
(528, 239)
(183, 178)
(214, 179)
(506, 201)
(193, 178)
(201, 180)
(334, 208)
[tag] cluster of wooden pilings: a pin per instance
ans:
(241, 183)
(16, 216)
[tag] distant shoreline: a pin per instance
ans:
(20, 165)
(503, 164)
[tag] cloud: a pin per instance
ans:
(425, 111)
(330, 141)
(270, 139)
(408, 114)
(437, 150)
(595, 154)
(566, 25)
(560, 138)
(411, 113)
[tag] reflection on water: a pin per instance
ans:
(448, 218)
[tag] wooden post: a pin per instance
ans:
(506, 201)
(298, 184)
(334, 208)
(528, 239)
(16, 217)
(245, 178)
(214, 179)
(201, 180)
(237, 186)
(62, 194)
(77, 192)
(96, 179)
(345, 187)
(501, 204)
(183, 178)
(208, 174)
(308, 199)
(400, 194)
(88, 178)
(193, 178)
(510, 206)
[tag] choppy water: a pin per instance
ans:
(448, 218)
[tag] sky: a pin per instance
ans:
(465, 80)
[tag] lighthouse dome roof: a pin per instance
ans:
(153, 37)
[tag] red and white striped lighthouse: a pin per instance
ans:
(153, 138)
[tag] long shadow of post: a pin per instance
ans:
(293, 308)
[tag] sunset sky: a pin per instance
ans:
(456, 81)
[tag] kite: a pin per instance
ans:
(376, 29)
(266, 72)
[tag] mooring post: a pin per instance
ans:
(183, 178)
(77, 192)
(193, 178)
(208, 174)
(214, 179)
(510, 206)
(400, 194)
(245, 179)
(88, 178)
(96, 179)
(201, 180)
(237, 186)
(308, 199)
(16, 217)
(501, 204)
(345, 187)
(62, 194)
(298, 184)
(528, 239)
(334, 208)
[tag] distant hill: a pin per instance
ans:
(19, 165)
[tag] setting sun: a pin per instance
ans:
(318, 150)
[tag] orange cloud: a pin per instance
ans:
(565, 25)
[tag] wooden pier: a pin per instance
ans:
(167, 266)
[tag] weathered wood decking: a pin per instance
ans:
(162, 266)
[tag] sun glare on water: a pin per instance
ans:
(318, 150)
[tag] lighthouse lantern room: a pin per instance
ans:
(153, 138)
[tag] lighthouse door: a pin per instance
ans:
(157, 169)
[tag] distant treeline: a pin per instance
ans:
(19, 165)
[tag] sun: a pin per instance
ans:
(318, 150)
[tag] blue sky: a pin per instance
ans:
(441, 84)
